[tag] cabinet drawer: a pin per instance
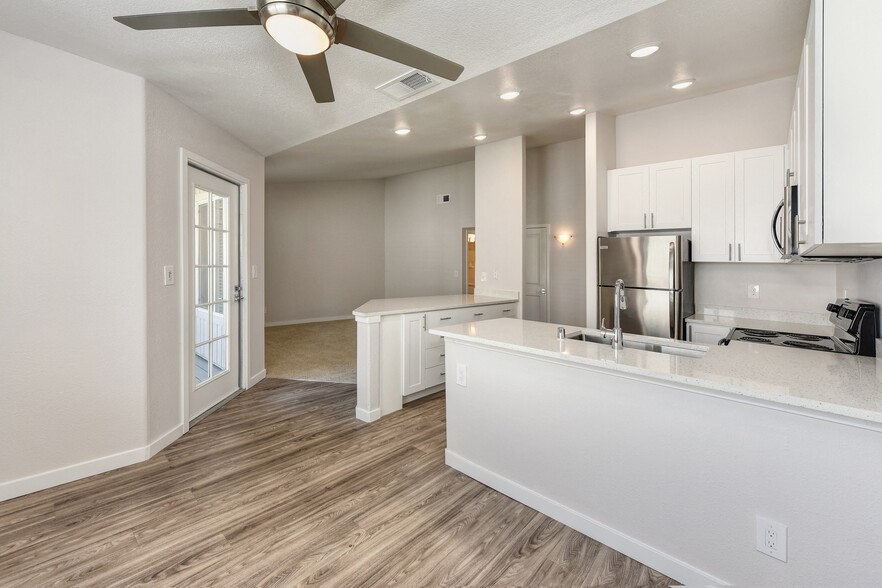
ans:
(433, 341)
(434, 376)
(434, 356)
(453, 316)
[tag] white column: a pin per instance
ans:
(368, 369)
(600, 157)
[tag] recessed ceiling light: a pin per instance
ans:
(682, 84)
(578, 111)
(510, 95)
(644, 50)
(480, 137)
(402, 132)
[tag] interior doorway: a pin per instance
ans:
(537, 303)
(468, 260)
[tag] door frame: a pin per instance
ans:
(464, 243)
(548, 240)
(188, 159)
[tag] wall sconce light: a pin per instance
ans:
(562, 239)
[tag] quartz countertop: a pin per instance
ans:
(763, 325)
(832, 383)
(385, 306)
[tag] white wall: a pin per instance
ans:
(743, 118)
(600, 157)
(170, 127)
(786, 287)
(324, 249)
(424, 239)
(73, 313)
(500, 186)
(861, 281)
(555, 195)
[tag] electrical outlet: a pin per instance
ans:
(495, 274)
(771, 538)
(455, 273)
(168, 275)
(462, 375)
(753, 291)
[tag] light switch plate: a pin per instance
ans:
(753, 291)
(168, 275)
(462, 375)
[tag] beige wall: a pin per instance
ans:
(73, 355)
(556, 196)
(324, 249)
(172, 126)
(424, 239)
(743, 118)
(499, 215)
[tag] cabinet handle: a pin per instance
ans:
(506, 310)
(442, 355)
(739, 252)
(443, 374)
(479, 314)
(644, 220)
(446, 318)
(651, 220)
(730, 252)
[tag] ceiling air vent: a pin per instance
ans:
(405, 86)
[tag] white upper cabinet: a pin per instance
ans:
(713, 208)
(656, 196)
(628, 202)
(837, 134)
(670, 195)
(759, 187)
(734, 196)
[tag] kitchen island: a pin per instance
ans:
(398, 360)
(670, 459)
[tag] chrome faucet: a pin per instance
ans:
(621, 303)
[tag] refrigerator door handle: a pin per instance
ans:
(672, 303)
(671, 260)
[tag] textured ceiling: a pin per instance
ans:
(241, 80)
(722, 43)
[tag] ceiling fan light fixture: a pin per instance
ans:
(303, 28)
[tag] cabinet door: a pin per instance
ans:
(413, 362)
(628, 199)
(811, 163)
(713, 208)
(670, 195)
(759, 183)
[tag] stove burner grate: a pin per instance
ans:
(800, 337)
(806, 345)
(755, 339)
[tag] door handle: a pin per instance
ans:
(644, 220)
(651, 220)
(237, 296)
(730, 252)
(543, 291)
(739, 252)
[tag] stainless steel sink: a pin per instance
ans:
(653, 344)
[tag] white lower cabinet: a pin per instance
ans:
(704, 334)
(423, 358)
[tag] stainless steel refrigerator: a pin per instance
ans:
(657, 271)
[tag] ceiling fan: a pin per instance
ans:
(306, 28)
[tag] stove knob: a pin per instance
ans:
(833, 308)
(849, 314)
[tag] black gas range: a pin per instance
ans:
(854, 332)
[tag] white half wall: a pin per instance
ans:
(743, 118)
(74, 313)
(324, 248)
(172, 126)
(500, 187)
(424, 239)
(556, 196)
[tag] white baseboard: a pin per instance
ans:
(164, 441)
(634, 548)
(367, 416)
(256, 378)
(22, 486)
(323, 319)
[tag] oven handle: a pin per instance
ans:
(775, 238)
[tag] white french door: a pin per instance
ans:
(214, 290)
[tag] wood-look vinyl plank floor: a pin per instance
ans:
(284, 487)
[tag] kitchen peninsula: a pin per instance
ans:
(591, 437)
(398, 360)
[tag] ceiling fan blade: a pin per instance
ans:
(196, 18)
(367, 39)
(315, 68)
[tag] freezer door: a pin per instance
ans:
(657, 313)
(642, 262)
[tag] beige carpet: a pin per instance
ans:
(321, 352)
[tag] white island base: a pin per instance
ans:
(671, 474)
